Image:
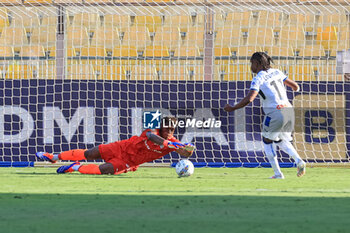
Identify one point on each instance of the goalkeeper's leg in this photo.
(73, 155)
(115, 167)
(93, 169)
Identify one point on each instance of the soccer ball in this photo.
(184, 168)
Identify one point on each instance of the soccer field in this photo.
(155, 200)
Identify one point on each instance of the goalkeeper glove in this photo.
(173, 145)
(189, 147)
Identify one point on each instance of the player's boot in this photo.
(45, 156)
(301, 168)
(281, 176)
(67, 168)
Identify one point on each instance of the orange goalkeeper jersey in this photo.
(139, 149)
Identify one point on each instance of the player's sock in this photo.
(272, 157)
(90, 169)
(288, 147)
(75, 155)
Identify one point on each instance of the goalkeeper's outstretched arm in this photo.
(183, 150)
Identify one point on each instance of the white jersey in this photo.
(271, 88)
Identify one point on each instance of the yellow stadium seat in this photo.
(278, 51)
(32, 51)
(334, 19)
(93, 52)
(19, 71)
(219, 19)
(296, 19)
(44, 35)
(106, 37)
(95, 57)
(228, 36)
(173, 72)
(46, 71)
(156, 55)
(4, 20)
(328, 73)
(269, 19)
(114, 72)
(122, 22)
(291, 36)
(311, 51)
(195, 72)
(344, 33)
(260, 36)
(15, 37)
(327, 37)
(186, 60)
(89, 20)
(222, 57)
(81, 71)
(190, 51)
(77, 36)
(239, 71)
(195, 36)
(124, 55)
(149, 21)
(143, 72)
(138, 37)
(49, 21)
(25, 17)
(240, 19)
(187, 55)
(244, 51)
(6, 51)
(183, 22)
(305, 72)
(169, 37)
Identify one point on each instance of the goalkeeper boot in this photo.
(67, 168)
(45, 156)
(301, 168)
(280, 176)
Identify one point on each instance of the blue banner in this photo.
(59, 115)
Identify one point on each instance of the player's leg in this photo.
(75, 155)
(285, 142)
(288, 147)
(271, 155)
(92, 169)
(271, 126)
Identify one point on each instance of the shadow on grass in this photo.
(86, 213)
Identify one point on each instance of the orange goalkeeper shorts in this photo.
(112, 153)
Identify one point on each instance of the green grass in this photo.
(155, 200)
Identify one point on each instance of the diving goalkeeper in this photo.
(125, 155)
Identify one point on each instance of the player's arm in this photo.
(290, 83)
(161, 141)
(187, 151)
(244, 102)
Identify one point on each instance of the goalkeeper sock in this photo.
(74, 155)
(90, 169)
(288, 147)
(271, 155)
